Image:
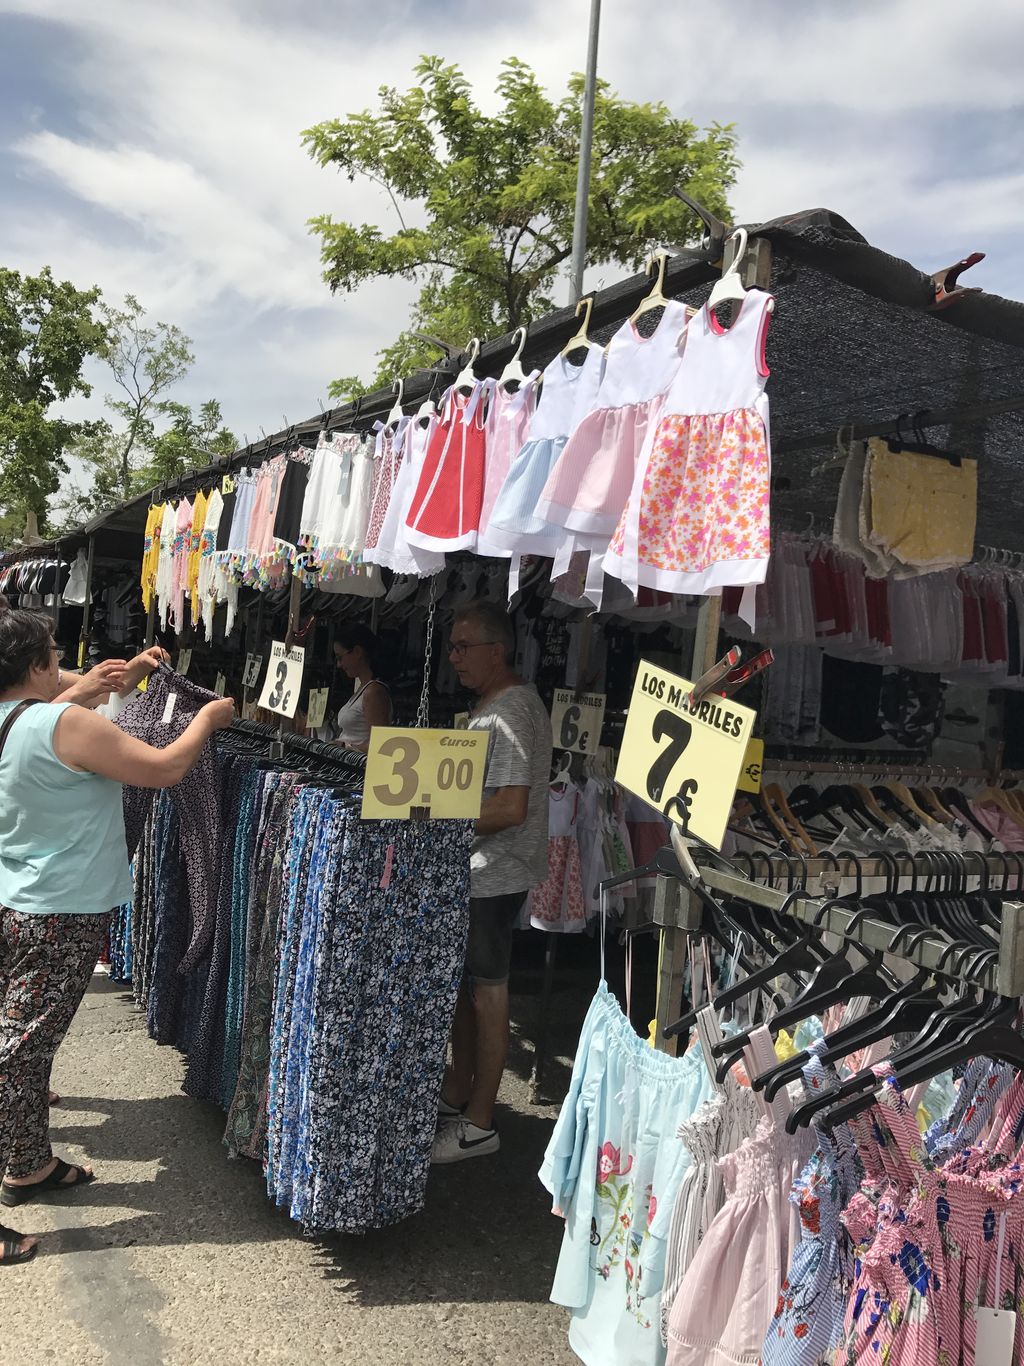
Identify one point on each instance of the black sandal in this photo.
(10, 1248)
(21, 1195)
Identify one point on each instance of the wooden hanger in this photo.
(871, 802)
(787, 836)
(781, 801)
(931, 801)
(903, 794)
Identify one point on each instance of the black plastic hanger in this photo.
(798, 957)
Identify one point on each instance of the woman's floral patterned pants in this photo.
(45, 965)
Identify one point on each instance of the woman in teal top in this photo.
(63, 867)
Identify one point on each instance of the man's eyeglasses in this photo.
(457, 648)
(58, 652)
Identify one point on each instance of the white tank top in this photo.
(351, 722)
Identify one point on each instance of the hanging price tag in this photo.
(81, 654)
(576, 720)
(253, 665)
(424, 774)
(283, 682)
(753, 767)
(461, 721)
(184, 660)
(221, 685)
(684, 760)
(316, 712)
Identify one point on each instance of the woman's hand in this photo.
(220, 714)
(92, 688)
(142, 666)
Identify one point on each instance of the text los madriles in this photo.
(710, 712)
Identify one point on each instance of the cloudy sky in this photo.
(155, 148)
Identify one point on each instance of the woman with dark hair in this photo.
(63, 867)
(355, 654)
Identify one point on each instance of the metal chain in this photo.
(423, 714)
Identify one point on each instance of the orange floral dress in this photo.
(697, 519)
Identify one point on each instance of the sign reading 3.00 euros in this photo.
(433, 774)
(685, 760)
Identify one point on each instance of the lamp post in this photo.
(579, 229)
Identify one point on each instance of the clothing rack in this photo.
(301, 744)
(883, 766)
(820, 881)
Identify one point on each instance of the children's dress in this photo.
(445, 510)
(697, 515)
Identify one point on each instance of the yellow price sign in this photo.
(432, 774)
(685, 760)
(81, 654)
(576, 720)
(753, 767)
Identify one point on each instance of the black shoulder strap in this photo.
(13, 716)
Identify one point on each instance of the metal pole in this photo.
(579, 228)
(83, 643)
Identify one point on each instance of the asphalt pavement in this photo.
(175, 1255)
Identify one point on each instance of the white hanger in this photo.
(395, 415)
(657, 260)
(581, 337)
(563, 774)
(513, 373)
(466, 379)
(426, 411)
(731, 286)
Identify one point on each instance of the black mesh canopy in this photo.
(855, 338)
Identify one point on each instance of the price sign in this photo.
(424, 773)
(253, 665)
(81, 654)
(684, 760)
(283, 682)
(753, 767)
(221, 685)
(576, 720)
(184, 660)
(316, 712)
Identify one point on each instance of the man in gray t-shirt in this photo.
(510, 855)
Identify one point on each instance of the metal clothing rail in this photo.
(885, 766)
(302, 745)
(676, 908)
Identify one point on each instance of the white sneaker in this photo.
(446, 1113)
(460, 1139)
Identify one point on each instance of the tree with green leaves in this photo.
(171, 440)
(48, 330)
(145, 360)
(484, 204)
(189, 442)
(151, 438)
